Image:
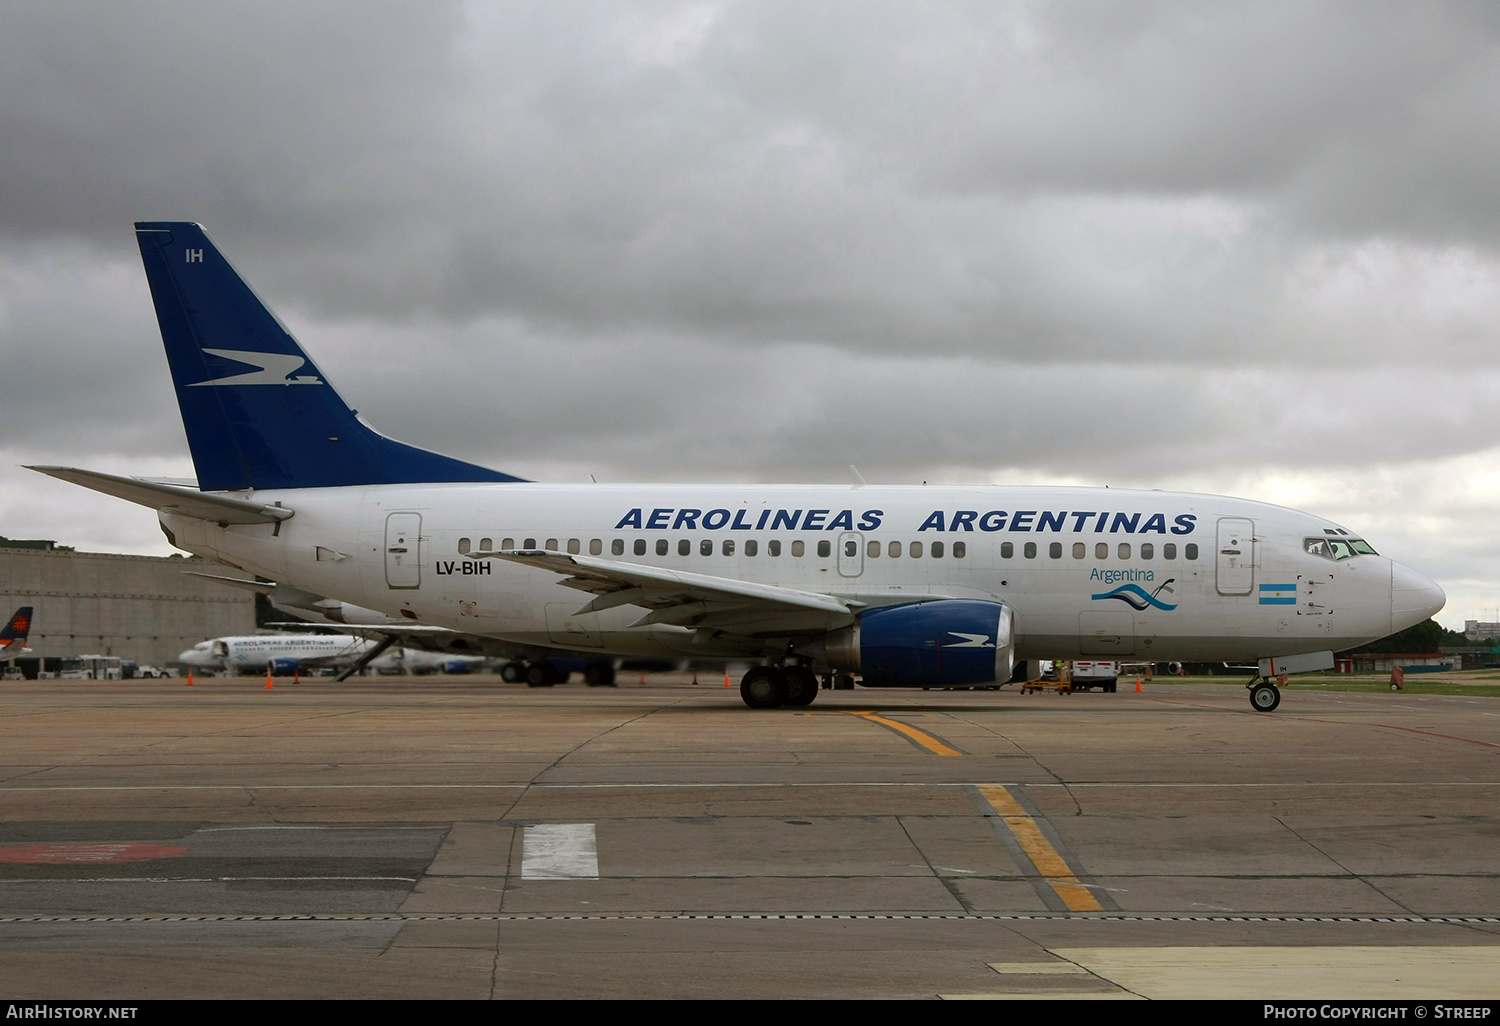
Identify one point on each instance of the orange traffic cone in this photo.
(726, 678)
(190, 678)
(268, 680)
(1138, 688)
(297, 675)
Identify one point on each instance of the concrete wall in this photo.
(136, 607)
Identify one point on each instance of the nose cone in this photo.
(1414, 598)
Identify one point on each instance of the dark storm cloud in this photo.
(869, 176)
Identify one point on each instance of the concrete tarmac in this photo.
(457, 837)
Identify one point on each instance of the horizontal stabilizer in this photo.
(189, 502)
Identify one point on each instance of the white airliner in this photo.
(283, 653)
(898, 586)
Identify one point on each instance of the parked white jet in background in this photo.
(904, 587)
(285, 653)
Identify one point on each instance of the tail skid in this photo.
(231, 361)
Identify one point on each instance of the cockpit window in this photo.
(1337, 549)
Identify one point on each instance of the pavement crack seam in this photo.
(947, 882)
(1352, 874)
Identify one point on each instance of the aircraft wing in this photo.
(221, 509)
(679, 597)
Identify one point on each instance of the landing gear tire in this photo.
(513, 673)
(599, 675)
(801, 685)
(1264, 697)
(540, 675)
(764, 687)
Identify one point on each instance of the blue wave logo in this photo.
(1137, 598)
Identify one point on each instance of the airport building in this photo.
(143, 608)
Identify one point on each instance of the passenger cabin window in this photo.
(1190, 551)
(873, 549)
(960, 550)
(1054, 551)
(729, 547)
(937, 550)
(640, 546)
(508, 543)
(1080, 550)
(914, 550)
(595, 546)
(1101, 550)
(661, 546)
(1169, 550)
(894, 549)
(1029, 551)
(463, 546)
(684, 547)
(1124, 550)
(573, 546)
(798, 548)
(706, 547)
(773, 548)
(1147, 550)
(751, 547)
(484, 545)
(851, 547)
(617, 547)
(825, 548)
(529, 544)
(1007, 550)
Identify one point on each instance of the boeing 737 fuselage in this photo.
(895, 586)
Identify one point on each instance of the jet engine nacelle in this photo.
(283, 667)
(942, 643)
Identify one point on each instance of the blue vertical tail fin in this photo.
(258, 411)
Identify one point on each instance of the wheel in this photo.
(801, 685)
(1395, 687)
(764, 687)
(540, 675)
(1111, 687)
(1264, 697)
(599, 675)
(513, 673)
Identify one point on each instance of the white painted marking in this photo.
(560, 851)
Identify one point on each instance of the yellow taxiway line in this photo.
(1052, 866)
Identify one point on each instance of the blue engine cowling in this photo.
(942, 643)
(283, 667)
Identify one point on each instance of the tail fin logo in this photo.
(270, 369)
(15, 632)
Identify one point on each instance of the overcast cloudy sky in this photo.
(1242, 248)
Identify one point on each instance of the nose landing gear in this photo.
(1264, 696)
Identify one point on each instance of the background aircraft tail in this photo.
(258, 411)
(13, 636)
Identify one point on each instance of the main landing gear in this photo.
(1264, 696)
(769, 687)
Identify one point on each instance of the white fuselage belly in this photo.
(1214, 607)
